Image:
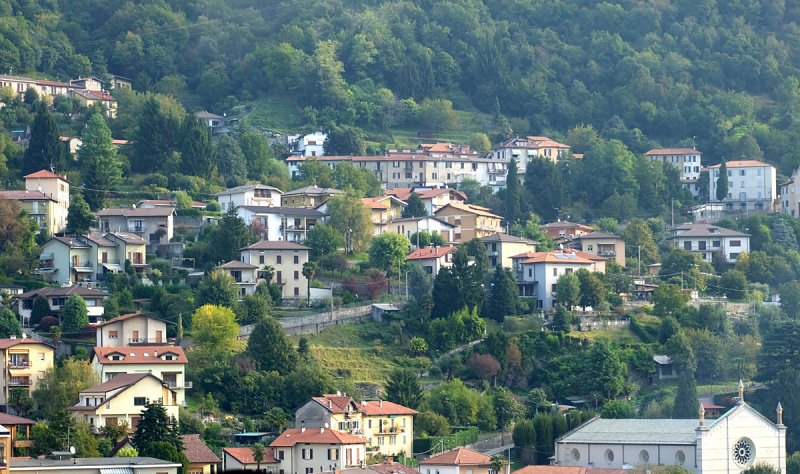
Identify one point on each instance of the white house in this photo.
(57, 297)
(686, 160)
(281, 223)
(132, 329)
(751, 185)
(737, 440)
(308, 145)
(168, 363)
(538, 272)
(244, 274)
(524, 149)
(315, 450)
(408, 226)
(706, 240)
(433, 259)
(249, 195)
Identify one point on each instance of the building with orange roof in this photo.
(317, 449)
(132, 329)
(202, 459)
(167, 363)
(432, 259)
(457, 461)
(537, 273)
(686, 160)
(242, 459)
(601, 244)
(522, 149)
(752, 186)
(383, 209)
(433, 198)
(474, 221)
(386, 427)
(500, 247)
(566, 229)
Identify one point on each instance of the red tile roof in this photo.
(24, 195)
(557, 257)
(6, 420)
(276, 245)
(196, 451)
(43, 174)
(123, 317)
(431, 252)
(458, 457)
(6, 343)
(334, 403)
(469, 208)
(673, 151)
(383, 407)
(245, 455)
(116, 382)
(293, 436)
(373, 203)
(741, 164)
(140, 355)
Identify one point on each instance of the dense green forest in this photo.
(647, 73)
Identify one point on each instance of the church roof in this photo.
(634, 431)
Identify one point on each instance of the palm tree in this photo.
(268, 272)
(309, 271)
(258, 455)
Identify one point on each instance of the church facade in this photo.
(737, 440)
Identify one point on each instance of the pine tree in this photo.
(503, 295)
(101, 169)
(154, 138)
(414, 207)
(45, 150)
(403, 387)
(197, 151)
(686, 401)
(513, 200)
(157, 435)
(722, 182)
(232, 234)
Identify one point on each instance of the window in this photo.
(308, 453)
(701, 245)
(715, 243)
(758, 172)
(261, 259)
(297, 291)
(396, 164)
(112, 334)
(296, 259)
(279, 259)
(555, 272)
(687, 245)
(309, 470)
(333, 454)
(296, 275)
(139, 401)
(494, 247)
(742, 172)
(736, 243)
(530, 272)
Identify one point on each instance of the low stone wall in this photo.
(315, 323)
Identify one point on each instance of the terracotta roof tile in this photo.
(245, 455)
(9, 342)
(196, 451)
(293, 436)
(276, 245)
(481, 211)
(140, 355)
(23, 195)
(383, 407)
(557, 257)
(43, 174)
(334, 403)
(431, 252)
(673, 151)
(741, 164)
(458, 457)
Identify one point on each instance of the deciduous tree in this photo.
(269, 347)
(217, 288)
(75, 316)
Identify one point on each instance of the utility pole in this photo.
(640, 260)
(672, 211)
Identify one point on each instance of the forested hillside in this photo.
(649, 73)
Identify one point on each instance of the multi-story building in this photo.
(286, 259)
(566, 229)
(751, 186)
(89, 98)
(501, 247)
(387, 427)
(312, 144)
(382, 211)
(537, 273)
(706, 240)
(686, 160)
(54, 216)
(433, 199)
(88, 258)
(57, 297)
(524, 149)
(789, 194)
(475, 221)
(245, 275)
(155, 225)
(20, 430)
(167, 363)
(133, 329)
(25, 361)
(37, 205)
(432, 259)
(315, 450)
(121, 399)
(310, 197)
(258, 195)
(281, 223)
(601, 244)
(408, 226)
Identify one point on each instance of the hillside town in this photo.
(195, 286)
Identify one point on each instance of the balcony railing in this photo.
(145, 340)
(20, 364)
(174, 384)
(606, 253)
(137, 228)
(13, 382)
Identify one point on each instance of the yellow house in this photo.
(20, 429)
(202, 459)
(25, 361)
(53, 186)
(131, 330)
(309, 196)
(37, 205)
(121, 400)
(88, 98)
(168, 363)
(383, 210)
(475, 221)
(387, 427)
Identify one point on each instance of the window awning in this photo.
(114, 267)
(46, 256)
(83, 269)
(48, 270)
(116, 470)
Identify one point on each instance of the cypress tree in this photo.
(415, 207)
(197, 151)
(513, 206)
(45, 150)
(722, 182)
(101, 169)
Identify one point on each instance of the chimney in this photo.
(330, 404)
(321, 429)
(389, 460)
(380, 403)
(13, 336)
(303, 429)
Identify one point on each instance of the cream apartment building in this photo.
(121, 399)
(686, 160)
(603, 245)
(25, 362)
(522, 149)
(88, 258)
(249, 195)
(501, 247)
(474, 221)
(167, 363)
(286, 258)
(751, 185)
(45, 199)
(131, 330)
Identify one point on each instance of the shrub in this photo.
(48, 322)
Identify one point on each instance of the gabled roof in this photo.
(596, 235)
(276, 245)
(71, 242)
(99, 239)
(383, 407)
(458, 457)
(238, 265)
(566, 224)
(136, 212)
(125, 317)
(128, 237)
(208, 115)
(705, 230)
(468, 208)
(741, 164)
(313, 191)
(24, 195)
(417, 219)
(196, 451)
(7, 420)
(95, 95)
(139, 355)
(431, 252)
(247, 187)
(117, 382)
(63, 291)
(673, 151)
(43, 174)
(293, 436)
(374, 203)
(557, 257)
(245, 455)
(534, 142)
(335, 403)
(634, 431)
(501, 237)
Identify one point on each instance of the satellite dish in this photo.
(72, 450)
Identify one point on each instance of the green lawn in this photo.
(277, 114)
(515, 324)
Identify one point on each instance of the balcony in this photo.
(389, 430)
(497, 171)
(606, 253)
(19, 382)
(137, 228)
(175, 385)
(19, 364)
(145, 340)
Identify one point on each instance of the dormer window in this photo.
(169, 357)
(116, 356)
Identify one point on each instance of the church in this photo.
(739, 439)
